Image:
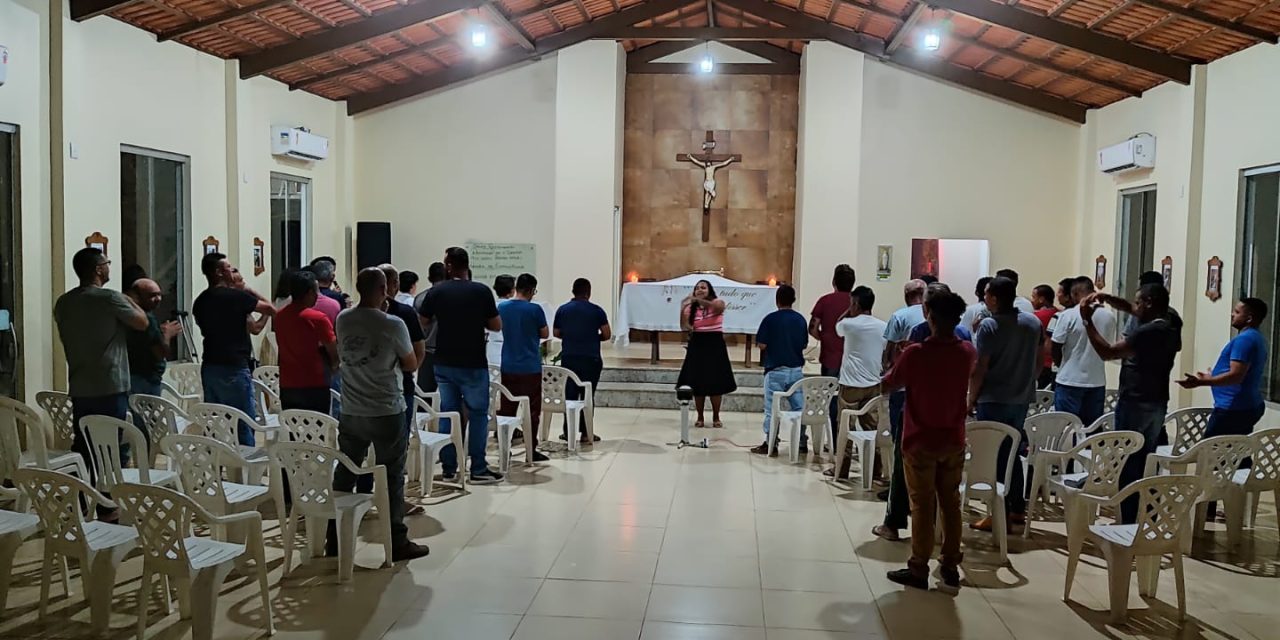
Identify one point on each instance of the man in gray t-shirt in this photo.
(374, 350)
(1003, 382)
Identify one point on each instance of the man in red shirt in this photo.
(933, 439)
(827, 313)
(308, 348)
(1042, 299)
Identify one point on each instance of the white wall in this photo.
(472, 163)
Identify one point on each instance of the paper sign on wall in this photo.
(492, 259)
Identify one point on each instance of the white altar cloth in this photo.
(655, 306)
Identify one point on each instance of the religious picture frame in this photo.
(97, 241)
(210, 245)
(1100, 272)
(1166, 271)
(259, 256)
(1213, 288)
(884, 262)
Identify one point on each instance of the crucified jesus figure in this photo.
(709, 180)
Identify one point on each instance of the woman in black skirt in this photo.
(706, 367)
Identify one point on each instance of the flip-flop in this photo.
(699, 425)
(717, 425)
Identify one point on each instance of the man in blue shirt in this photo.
(921, 332)
(1236, 379)
(897, 335)
(524, 327)
(782, 337)
(581, 325)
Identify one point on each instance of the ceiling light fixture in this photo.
(707, 64)
(932, 40)
(479, 37)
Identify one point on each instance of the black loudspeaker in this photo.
(373, 244)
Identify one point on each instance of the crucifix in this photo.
(708, 161)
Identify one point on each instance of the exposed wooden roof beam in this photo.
(1253, 12)
(582, 9)
(982, 83)
(347, 35)
(1150, 60)
(770, 52)
(512, 56)
(381, 58)
(905, 28)
(649, 53)
(315, 17)
(711, 13)
(494, 14)
(85, 9)
(709, 33)
(1046, 62)
(220, 18)
(1061, 8)
(1155, 24)
(723, 68)
(819, 29)
(356, 7)
(1261, 35)
(1110, 14)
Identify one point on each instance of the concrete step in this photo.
(649, 395)
(666, 376)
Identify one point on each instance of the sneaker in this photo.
(411, 509)
(583, 439)
(909, 578)
(409, 551)
(804, 446)
(539, 456)
(488, 476)
(449, 476)
(564, 436)
(763, 449)
(882, 495)
(950, 580)
(517, 436)
(886, 533)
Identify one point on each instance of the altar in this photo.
(655, 307)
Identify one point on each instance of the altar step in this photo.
(655, 388)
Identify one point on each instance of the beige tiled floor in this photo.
(639, 540)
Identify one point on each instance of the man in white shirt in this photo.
(862, 364)
(1082, 376)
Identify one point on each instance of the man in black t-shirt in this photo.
(223, 314)
(416, 337)
(462, 310)
(1146, 354)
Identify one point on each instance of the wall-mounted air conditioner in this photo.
(1138, 152)
(295, 142)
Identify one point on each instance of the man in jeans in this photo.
(1146, 356)
(826, 313)
(897, 333)
(427, 369)
(933, 439)
(524, 327)
(374, 349)
(1081, 387)
(462, 311)
(860, 368)
(223, 313)
(782, 338)
(581, 325)
(94, 324)
(1003, 382)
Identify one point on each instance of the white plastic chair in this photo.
(1042, 403)
(1247, 485)
(20, 423)
(1163, 506)
(310, 468)
(220, 422)
(309, 427)
(99, 547)
(57, 407)
(104, 434)
(161, 418)
(1189, 427)
(505, 426)
(198, 565)
(555, 400)
(426, 441)
(1052, 431)
(1105, 422)
(868, 441)
(200, 462)
(183, 381)
(1217, 460)
(1102, 457)
(1110, 399)
(816, 393)
(269, 375)
(266, 404)
(14, 529)
(982, 477)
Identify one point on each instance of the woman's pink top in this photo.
(706, 320)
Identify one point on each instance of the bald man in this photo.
(149, 348)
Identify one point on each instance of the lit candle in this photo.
(773, 282)
(634, 277)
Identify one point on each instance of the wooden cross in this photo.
(709, 162)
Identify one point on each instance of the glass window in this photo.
(153, 227)
(1137, 238)
(1259, 242)
(10, 312)
(290, 223)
